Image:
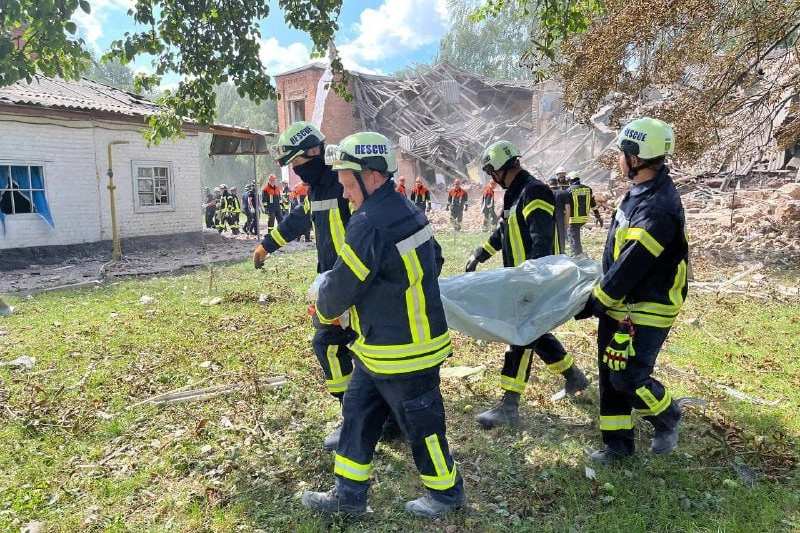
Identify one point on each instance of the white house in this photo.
(56, 139)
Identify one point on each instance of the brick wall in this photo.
(74, 156)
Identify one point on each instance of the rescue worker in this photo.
(487, 206)
(250, 208)
(640, 293)
(401, 186)
(285, 194)
(210, 207)
(579, 202)
(560, 211)
(229, 210)
(421, 196)
(386, 276)
(301, 145)
(457, 204)
(561, 177)
(527, 230)
(299, 195)
(218, 208)
(271, 197)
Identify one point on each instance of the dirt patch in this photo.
(95, 270)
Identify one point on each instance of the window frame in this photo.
(298, 104)
(42, 165)
(138, 207)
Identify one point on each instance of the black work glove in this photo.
(598, 220)
(472, 263)
(447, 207)
(592, 308)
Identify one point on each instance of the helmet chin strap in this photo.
(633, 171)
(502, 181)
(361, 184)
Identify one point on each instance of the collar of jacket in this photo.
(519, 182)
(649, 185)
(378, 194)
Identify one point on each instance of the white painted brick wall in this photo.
(75, 158)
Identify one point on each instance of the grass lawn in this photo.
(80, 452)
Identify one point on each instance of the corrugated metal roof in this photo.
(78, 95)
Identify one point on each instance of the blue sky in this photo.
(375, 36)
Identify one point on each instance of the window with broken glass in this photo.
(152, 186)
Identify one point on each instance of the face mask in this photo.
(311, 171)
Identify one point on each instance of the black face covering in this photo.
(311, 171)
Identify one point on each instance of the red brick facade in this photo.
(339, 118)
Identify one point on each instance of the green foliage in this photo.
(45, 32)
(112, 73)
(207, 43)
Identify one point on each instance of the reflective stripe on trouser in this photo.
(518, 360)
(330, 345)
(633, 388)
(417, 404)
(574, 234)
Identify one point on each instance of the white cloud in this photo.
(396, 28)
(278, 59)
(91, 27)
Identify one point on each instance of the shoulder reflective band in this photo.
(420, 237)
(324, 205)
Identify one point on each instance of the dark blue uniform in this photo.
(329, 212)
(527, 230)
(386, 277)
(644, 276)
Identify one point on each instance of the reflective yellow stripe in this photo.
(560, 366)
(616, 423)
(397, 359)
(306, 205)
(337, 229)
(350, 258)
(604, 298)
(676, 291)
(338, 381)
(444, 478)
(515, 240)
(648, 241)
(642, 319)
(537, 204)
(350, 469)
(517, 383)
(415, 299)
(489, 248)
(277, 237)
(655, 407)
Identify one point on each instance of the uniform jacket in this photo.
(386, 275)
(646, 255)
(581, 201)
(402, 190)
(457, 198)
(487, 203)
(271, 198)
(527, 229)
(330, 213)
(230, 204)
(421, 196)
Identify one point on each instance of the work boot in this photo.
(607, 456)
(332, 441)
(665, 438)
(329, 503)
(575, 380)
(427, 507)
(507, 413)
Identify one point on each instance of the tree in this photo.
(726, 71)
(112, 73)
(206, 42)
(490, 46)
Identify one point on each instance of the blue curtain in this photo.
(25, 182)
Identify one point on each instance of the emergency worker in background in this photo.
(302, 146)
(210, 207)
(271, 201)
(487, 206)
(457, 203)
(401, 186)
(286, 193)
(579, 202)
(386, 276)
(561, 177)
(421, 196)
(638, 298)
(250, 208)
(298, 196)
(527, 230)
(229, 210)
(559, 195)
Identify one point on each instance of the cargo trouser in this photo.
(416, 401)
(331, 346)
(518, 361)
(633, 388)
